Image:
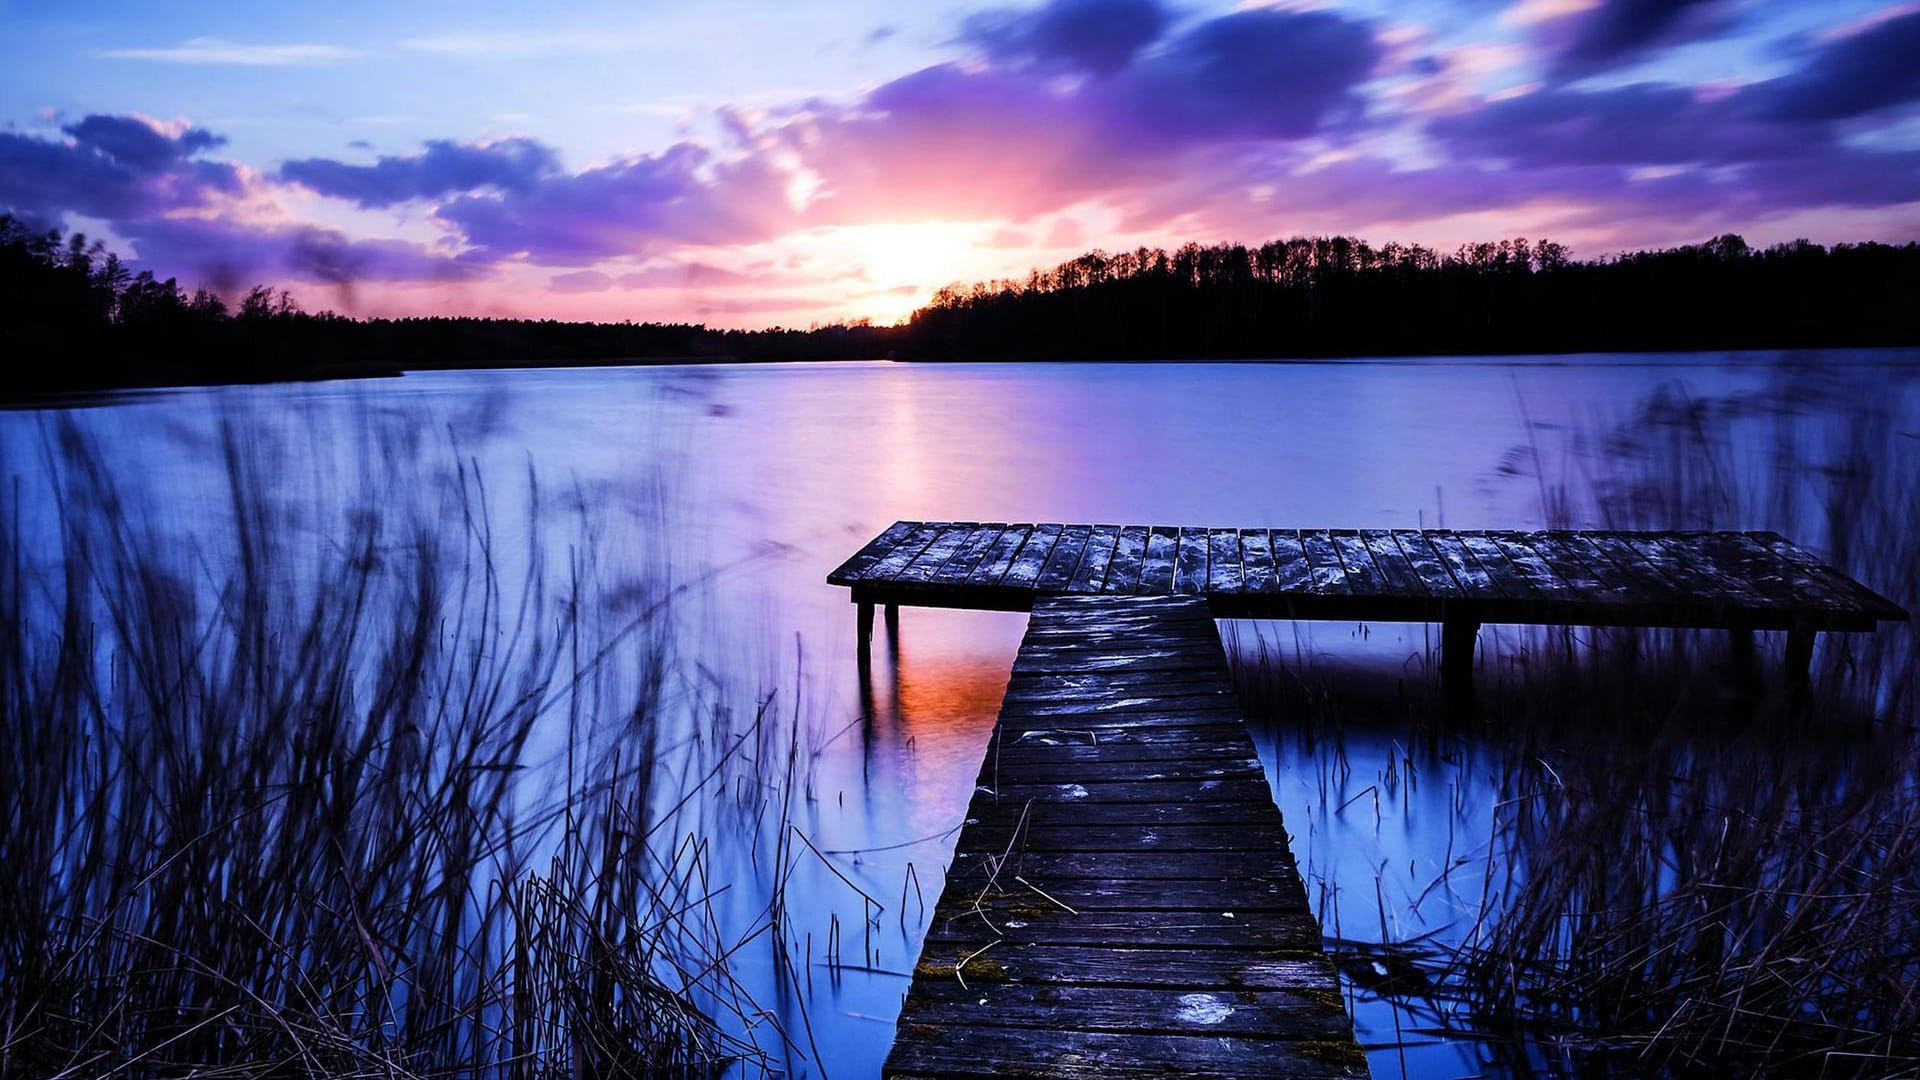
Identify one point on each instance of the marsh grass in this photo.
(370, 792)
(1682, 874)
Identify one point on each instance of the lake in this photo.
(746, 484)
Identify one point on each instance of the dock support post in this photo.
(893, 624)
(1456, 657)
(1799, 658)
(864, 632)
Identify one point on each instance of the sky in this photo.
(747, 163)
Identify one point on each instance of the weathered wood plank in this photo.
(1498, 567)
(1266, 1014)
(1625, 576)
(1528, 564)
(1866, 599)
(1727, 587)
(999, 558)
(1026, 566)
(1123, 573)
(905, 552)
(1569, 567)
(1122, 838)
(965, 561)
(1190, 562)
(1065, 559)
(1291, 570)
(1466, 570)
(1091, 577)
(876, 549)
(1773, 575)
(1401, 578)
(1156, 575)
(1329, 574)
(944, 547)
(1433, 573)
(1364, 576)
(1256, 561)
(1088, 1055)
(1224, 572)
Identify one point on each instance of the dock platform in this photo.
(1739, 581)
(1122, 901)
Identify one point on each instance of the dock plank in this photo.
(965, 561)
(999, 558)
(1061, 565)
(1190, 562)
(1256, 562)
(1156, 574)
(1026, 566)
(1091, 577)
(1433, 572)
(1292, 573)
(1364, 575)
(874, 550)
(1329, 574)
(944, 547)
(1224, 572)
(1129, 552)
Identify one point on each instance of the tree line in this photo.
(1340, 296)
(76, 317)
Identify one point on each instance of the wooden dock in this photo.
(1122, 901)
(1741, 581)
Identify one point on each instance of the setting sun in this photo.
(902, 266)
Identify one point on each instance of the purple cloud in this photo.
(1619, 31)
(233, 254)
(444, 168)
(138, 145)
(1860, 73)
(114, 167)
(681, 195)
(1252, 74)
(967, 141)
(580, 281)
(1641, 124)
(691, 275)
(1074, 35)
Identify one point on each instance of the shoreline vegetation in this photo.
(80, 319)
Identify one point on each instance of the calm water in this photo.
(770, 475)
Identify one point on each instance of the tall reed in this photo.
(361, 792)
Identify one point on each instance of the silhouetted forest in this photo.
(1339, 296)
(77, 317)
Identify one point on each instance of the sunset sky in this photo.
(749, 164)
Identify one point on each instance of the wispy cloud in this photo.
(207, 50)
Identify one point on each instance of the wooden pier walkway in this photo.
(1122, 901)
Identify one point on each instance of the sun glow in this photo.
(901, 266)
